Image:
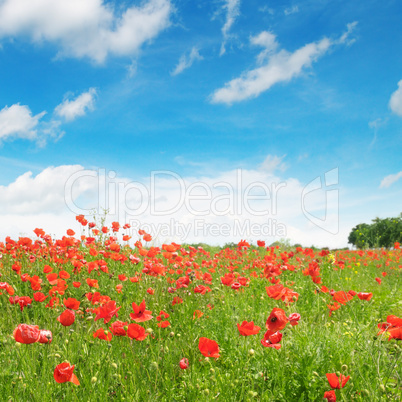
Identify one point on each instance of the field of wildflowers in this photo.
(88, 317)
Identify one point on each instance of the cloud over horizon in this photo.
(226, 206)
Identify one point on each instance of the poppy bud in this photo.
(183, 363)
(251, 352)
(93, 380)
(344, 368)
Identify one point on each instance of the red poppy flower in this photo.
(150, 291)
(118, 329)
(378, 280)
(248, 328)
(395, 333)
(64, 275)
(76, 284)
(52, 278)
(272, 340)
(39, 297)
(23, 301)
(197, 314)
(335, 382)
(333, 307)
(183, 363)
(177, 300)
(39, 232)
(71, 303)
(47, 269)
(147, 237)
(7, 287)
(101, 334)
(365, 296)
(294, 319)
(280, 292)
(140, 313)
(208, 348)
(342, 297)
(330, 396)
(162, 315)
(107, 311)
(26, 334)
(235, 285)
(93, 283)
(260, 243)
(45, 336)
(276, 321)
(66, 318)
(202, 289)
(64, 373)
(135, 331)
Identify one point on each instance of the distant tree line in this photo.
(380, 233)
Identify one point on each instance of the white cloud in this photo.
(232, 8)
(267, 40)
(43, 193)
(71, 109)
(345, 38)
(281, 66)
(17, 121)
(272, 163)
(223, 207)
(186, 61)
(390, 179)
(85, 28)
(395, 103)
(291, 10)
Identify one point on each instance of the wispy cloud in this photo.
(71, 109)
(387, 181)
(395, 103)
(291, 10)
(85, 28)
(273, 163)
(186, 61)
(232, 8)
(280, 66)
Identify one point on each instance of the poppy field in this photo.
(104, 314)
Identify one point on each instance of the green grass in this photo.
(125, 369)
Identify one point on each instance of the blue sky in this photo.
(201, 89)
